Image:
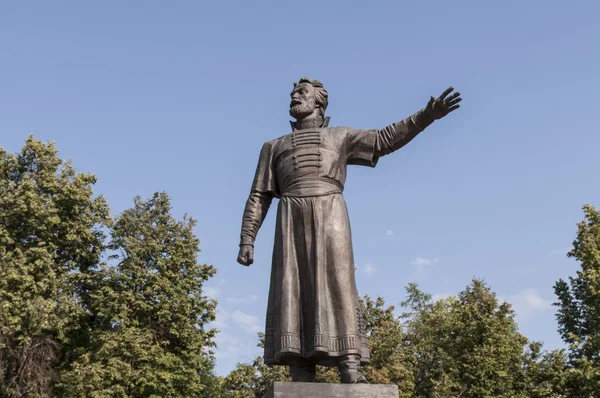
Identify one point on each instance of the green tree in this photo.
(391, 360)
(50, 231)
(579, 308)
(148, 316)
(252, 380)
(543, 373)
(466, 345)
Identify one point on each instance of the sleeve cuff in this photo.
(421, 120)
(246, 240)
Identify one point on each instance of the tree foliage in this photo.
(49, 231)
(469, 346)
(579, 308)
(391, 362)
(73, 326)
(148, 315)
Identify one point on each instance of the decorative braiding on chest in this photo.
(310, 140)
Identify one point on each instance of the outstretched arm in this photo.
(395, 136)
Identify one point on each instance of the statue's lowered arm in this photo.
(257, 205)
(264, 189)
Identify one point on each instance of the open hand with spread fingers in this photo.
(443, 105)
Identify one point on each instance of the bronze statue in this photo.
(313, 314)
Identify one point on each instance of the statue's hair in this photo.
(321, 96)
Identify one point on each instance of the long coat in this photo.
(313, 308)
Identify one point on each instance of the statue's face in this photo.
(303, 102)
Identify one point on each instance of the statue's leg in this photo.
(302, 370)
(349, 367)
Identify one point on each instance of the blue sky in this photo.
(179, 97)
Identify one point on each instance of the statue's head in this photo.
(307, 96)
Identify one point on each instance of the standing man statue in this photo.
(313, 314)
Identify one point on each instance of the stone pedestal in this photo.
(325, 390)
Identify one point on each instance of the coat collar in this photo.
(309, 125)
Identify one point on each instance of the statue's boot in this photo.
(303, 371)
(349, 367)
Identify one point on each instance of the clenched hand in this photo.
(246, 255)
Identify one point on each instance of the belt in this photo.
(312, 187)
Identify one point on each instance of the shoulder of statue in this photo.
(271, 143)
(339, 129)
(267, 147)
(281, 137)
